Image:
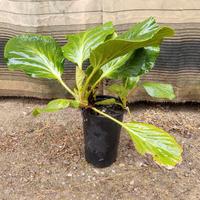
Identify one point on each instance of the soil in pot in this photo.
(101, 135)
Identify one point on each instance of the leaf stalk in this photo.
(108, 116)
(66, 87)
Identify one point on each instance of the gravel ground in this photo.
(43, 158)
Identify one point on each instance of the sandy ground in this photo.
(43, 158)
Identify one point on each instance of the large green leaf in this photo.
(135, 38)
(107, 69)
(118, 89)
(112, 67)
(36, 55)
(149, 139)
(97, 75)
(56, 105)
(138, 62)
(79, 45)
(141, 30)
(130, 82)
(121, 91)
(159, 90)
(141, 62)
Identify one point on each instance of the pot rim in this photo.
(121, 112)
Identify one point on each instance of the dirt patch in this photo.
(43, 158)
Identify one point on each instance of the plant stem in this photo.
(108, 116)
(88, 80)
(96, 83)
(85, 87)
(66, 87)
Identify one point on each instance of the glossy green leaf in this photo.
(108, 69)
(96, 77)
(134, 39)
(131, 82)
(89, 70)
(149, 139)
(118, 89)
(111, 36)
(141, 62)
(137, 62)
(80, 76)
(159, 90)
(36, 55)
(74, 104)
(56, 105)
(141, 30)
(122, 90)
(112, 67)
(106, 102)
(79, 45)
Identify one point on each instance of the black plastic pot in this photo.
(101, 136)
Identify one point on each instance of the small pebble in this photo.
(69, 174)
(141, 164)
(122, 165)
(132, 182)
(13, 133)
(24, 113)
(65, 162)
(186, 175)
(96, 171)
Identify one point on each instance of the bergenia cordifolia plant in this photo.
(125, 57)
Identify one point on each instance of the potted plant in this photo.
(125, 57)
